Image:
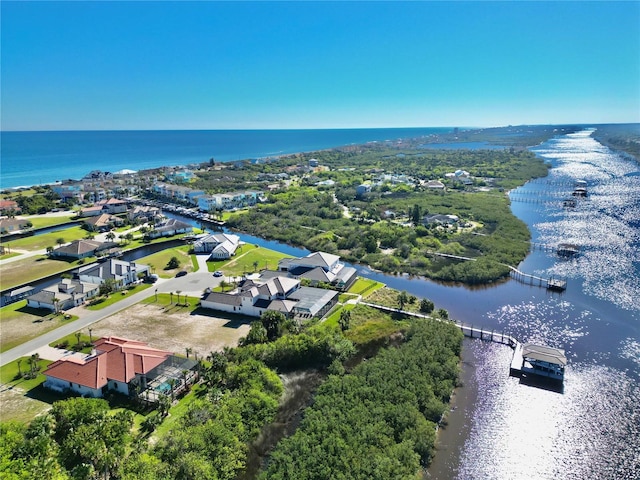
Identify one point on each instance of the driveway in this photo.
(192, 284)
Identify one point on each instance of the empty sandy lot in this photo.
(175, 328)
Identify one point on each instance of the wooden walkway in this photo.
(467, 330)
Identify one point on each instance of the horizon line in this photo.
(309, 128)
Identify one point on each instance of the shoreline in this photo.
(456, 426)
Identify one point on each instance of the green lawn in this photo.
(41, 242)
(9, 255)
(41, 221)
(71, 340)
(32, 268)
(22, 400)
(365, 287)
(158, 261)
(19, 324)
(245, 260)
(116, 297)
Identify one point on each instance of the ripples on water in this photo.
(592, 429)
(524, 432)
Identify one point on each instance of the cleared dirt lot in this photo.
(175, 328)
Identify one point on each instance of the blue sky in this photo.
(215, 65)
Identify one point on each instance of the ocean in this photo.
(35, 158)
(504, 429)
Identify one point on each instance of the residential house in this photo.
(169, 227)
(9, 207)
(117, 365)
(208, 243)
(435, 184)
(70, 191)
(63, 295)
(13, 225)
(144, 214)
(253, 297)
(112, 205)
(121, 272)
(320, 267)
(81, 249)
(440, 219)
(103, 222)
(18, 294)
(362, 189)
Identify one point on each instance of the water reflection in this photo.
(523, 432)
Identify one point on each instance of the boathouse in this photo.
(543, 361)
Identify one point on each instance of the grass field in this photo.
(29, 269)
(117, 296)
(41, 242)
(369, 324)
(248, 259)
(22, 399)
(41, 221)
(365, 287)
(20, 324)
(158, 261)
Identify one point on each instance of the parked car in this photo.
(217, 273)
(181, 273)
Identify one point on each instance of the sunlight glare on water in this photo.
(591, 429)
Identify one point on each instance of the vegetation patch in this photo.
(20, 323)
(114, 297)
(378, 422)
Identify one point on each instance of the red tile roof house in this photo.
(116, 364)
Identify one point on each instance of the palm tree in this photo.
(403, 298)
(56, 304)
(19, 369)
(178, 293)
(78, 334)
(60, 241)
(188, 350)
(110, 236)
(172, 383)
(255, 265)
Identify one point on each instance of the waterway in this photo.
(504, 429)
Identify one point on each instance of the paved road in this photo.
(192, 284)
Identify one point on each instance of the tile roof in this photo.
(117, 359)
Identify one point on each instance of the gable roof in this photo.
(117, 359)
(319, 259)
(79, 247)
(102, 220)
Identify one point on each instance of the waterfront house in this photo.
(169, 227)
(116, 365)
(320, 267)
(13, 225)
(16, 295)
(121, 272)
(103, 222)
(81, 249)
(144, 214)
(276, 292)
(112, 206)
(65, 294)
(207, 243)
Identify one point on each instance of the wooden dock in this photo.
(553, 284)
(471, 331)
